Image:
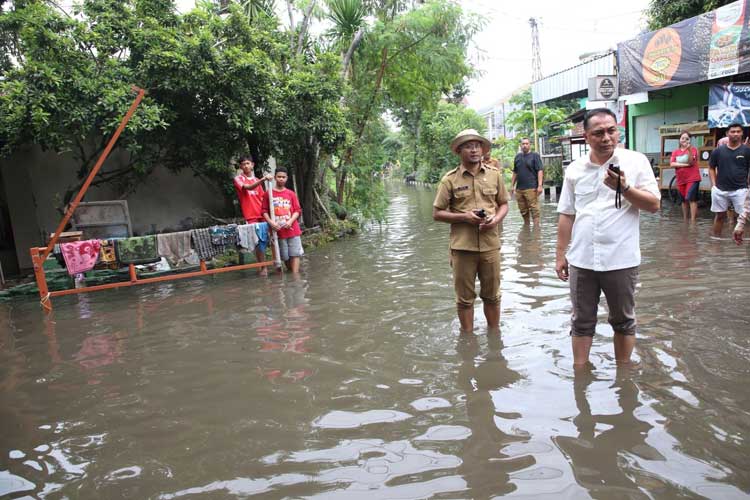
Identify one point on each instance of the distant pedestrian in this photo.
(598, 247)
(472, 198)
(286, 211)
(250, 194)
(527, 181)
(729, 166)
(685, 161)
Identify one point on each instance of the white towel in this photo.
(175, 247)
(248, 238)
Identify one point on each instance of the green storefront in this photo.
(685, 104)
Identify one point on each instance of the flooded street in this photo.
(351, 382)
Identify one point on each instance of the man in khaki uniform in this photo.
(472, 198)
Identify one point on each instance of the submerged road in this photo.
(351, 381)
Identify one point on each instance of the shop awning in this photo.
(573, 80)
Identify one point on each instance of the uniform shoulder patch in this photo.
(449, 173)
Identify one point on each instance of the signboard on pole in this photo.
(603, 88)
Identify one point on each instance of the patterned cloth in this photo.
(138, 250)
(202, 244)
(223, 237)
(261, 230)
(107, 255)
(80, 256)
(175, 247)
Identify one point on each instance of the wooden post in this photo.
(74, 204)
(41, 279)
(274, 236)
(133, 275)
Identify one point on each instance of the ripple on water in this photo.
(411, 381)
(445, 433)
(425, 404)
(339, 419)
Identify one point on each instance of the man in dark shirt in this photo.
(729, 166)
(528, 174)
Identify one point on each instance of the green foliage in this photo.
(346, 17)
(661, 13)
(437, 131)
(410, 59)
(218, 86)
(553, 171)
(549, 118)
(256, 8)
(222, 85)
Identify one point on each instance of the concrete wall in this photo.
(35, 182)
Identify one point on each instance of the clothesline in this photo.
(184, 247)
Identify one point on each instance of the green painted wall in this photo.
(687, 96)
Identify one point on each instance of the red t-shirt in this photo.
(251, 200)
(285, 204)
(686, 175)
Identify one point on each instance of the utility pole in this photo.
(536, 71)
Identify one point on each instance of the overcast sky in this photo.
(566, 30)
(502, 51)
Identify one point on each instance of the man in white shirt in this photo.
(604, 252)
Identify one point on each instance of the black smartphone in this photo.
(614, 168)
(481, 213)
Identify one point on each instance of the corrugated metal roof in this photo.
(573, 79)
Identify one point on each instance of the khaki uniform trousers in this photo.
(467, 265)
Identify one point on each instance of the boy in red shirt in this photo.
(286, 210)
(250, 193)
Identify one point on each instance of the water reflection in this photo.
(485, 467)
(607, 442)
(348, 381)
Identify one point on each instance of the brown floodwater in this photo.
(351, 381)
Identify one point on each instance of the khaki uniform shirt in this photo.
(460, 192)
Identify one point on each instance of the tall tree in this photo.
(411, 57)
(437, 130)
(661, 13)
(218, 86)
(549, 121)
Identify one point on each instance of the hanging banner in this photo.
(622, 122)
(712, 45)
(728, 104)
(724, 49)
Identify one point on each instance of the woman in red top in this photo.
(685, 161)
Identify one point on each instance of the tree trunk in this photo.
(341, 185)
(306, 179)
(356, 40)
(340, 182)
(417, 133)
(304, 27)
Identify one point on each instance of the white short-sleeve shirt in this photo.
(604, 238)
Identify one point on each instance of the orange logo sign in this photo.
(662, 57)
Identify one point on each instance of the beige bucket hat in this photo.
(469, 135)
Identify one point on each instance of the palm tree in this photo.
(255, 8)
(349, 24)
